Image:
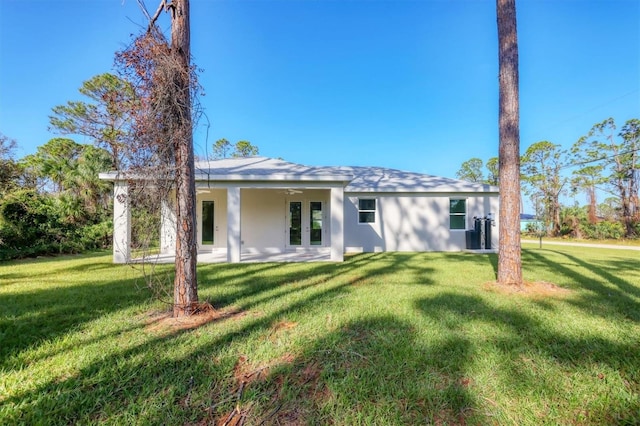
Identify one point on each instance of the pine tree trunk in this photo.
(185, 284)
(592, 213)
(509, 257)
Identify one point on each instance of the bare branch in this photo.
(162, 5)
(156, 15)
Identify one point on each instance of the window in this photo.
(366, 210)
(457, 214)
(207, 223)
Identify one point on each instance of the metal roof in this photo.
(355, 179)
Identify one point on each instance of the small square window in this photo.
(366, 210)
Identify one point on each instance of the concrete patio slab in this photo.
(220, 256)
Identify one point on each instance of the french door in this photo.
(208, 226)
(305, 224)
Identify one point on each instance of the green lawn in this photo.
(379, 339)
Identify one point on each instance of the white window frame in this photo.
(374, 210)
(464, 215)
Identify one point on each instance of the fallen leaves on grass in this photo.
(203, 314)
(529, 288)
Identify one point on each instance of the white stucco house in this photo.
(269, 206)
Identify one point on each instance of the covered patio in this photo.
(249, 210)
(220, 256)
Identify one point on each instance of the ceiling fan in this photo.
(290, 191)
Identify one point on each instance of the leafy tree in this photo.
(509, 256)
(88, 187)
(54, 163)
(541, 165)
(588, 177)
(573, 220)
(244, 149)
(609, 209)
(615, 155)
(493, 177)
(471, 171)
(69, 171)
(221, 149)
(8, 168)
(105, 118)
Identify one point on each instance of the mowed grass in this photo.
(380, 339)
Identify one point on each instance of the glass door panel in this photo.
(207, 223)
(295, 223)
(315, 222)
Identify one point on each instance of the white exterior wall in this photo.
(263, 217)
(234, 244)
(263, 220)
(412, 222)
(121, 223)
(336, 229)
(168, 226)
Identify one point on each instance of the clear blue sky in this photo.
(404, 84)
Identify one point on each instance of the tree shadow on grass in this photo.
(370, 371)
(139, 384)
(245, 286)
(177, 377)
(607, 293)
(523, 344)
(30, 318)
(53, 265)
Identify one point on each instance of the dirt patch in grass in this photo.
(246, 374)
(529, 289)
(271, 379)
(204, 313)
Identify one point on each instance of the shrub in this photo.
(97, 236)
(34, 224)
(605, 230)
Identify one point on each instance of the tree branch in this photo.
(152, 19)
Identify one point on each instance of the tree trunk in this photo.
(185, 285)
(592, 214)
(509, 256)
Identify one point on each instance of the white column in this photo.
(168, 226)
(234, 242)
(121, 223)
(337, 224)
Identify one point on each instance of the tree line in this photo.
(53, 201)
(606, 160)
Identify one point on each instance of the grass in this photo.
(634, 242)
(379, 339)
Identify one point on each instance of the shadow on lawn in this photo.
(136, 383)
(30, 318)
(53, 263)
(607, 293)
(376, 367)
(370, 371)
(525, 339)
(244, 282)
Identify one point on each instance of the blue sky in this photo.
(404, 84)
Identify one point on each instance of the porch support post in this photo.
(168, 226)
(337, 224)
(234, 242)
(121, 223)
